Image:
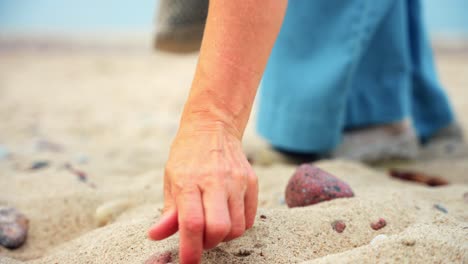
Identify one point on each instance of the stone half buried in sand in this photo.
(310, 185)
(13, 227)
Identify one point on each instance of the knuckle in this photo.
(194, 225)
(223, 171)
(252, 178)
(237, 232)
(220, 229)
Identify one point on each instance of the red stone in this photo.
(339, 226)
(310, 185)
(160, 258)
(378, 224)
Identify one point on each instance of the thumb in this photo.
(166, 226)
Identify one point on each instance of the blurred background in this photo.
(445, 19)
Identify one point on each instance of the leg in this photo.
(395, 80)
(381, 88)
(431, 110)
(303, 95)
(379, 98)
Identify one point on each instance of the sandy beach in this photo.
(100, 117)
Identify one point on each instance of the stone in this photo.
(339, 226)
(37, 165)
(13, 228)
(418, 177)
(310, 185)
(408, 242)
(47, 145)
(379, 224)
(160, 258)
(441, 208)
(107, 212)
(4, 152)
(378, 239)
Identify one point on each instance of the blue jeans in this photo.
(345, 64)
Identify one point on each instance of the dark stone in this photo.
(37, 165)
(13, 228)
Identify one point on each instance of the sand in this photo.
(111, 111)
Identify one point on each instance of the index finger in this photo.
(191, 225)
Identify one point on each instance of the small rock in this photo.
(82, 159)
(408, 242)
(4, 153)
(378, 224)
(263, 217)
(243, 253)
(13, 227)
(418, 177)
(441, 208)
(339, 226)
(37, 165)
(310, 185)
(160, 258)
(107, 212)
(81, 175)
(282, 201)
(377, 239)
(47, 145)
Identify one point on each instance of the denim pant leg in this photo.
(303, 91)
(396, 77)
(431, 109)
(381, 88)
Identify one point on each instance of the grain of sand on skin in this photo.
(120, 110)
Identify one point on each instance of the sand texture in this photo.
(110, 113)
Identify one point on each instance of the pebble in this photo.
(263, 217)
(160, 258)
(107, 212)
(13, 227)
(418, 177)
(408, 242)
(379, 224)
(4, 153)
(339, 226)
(441, 208)
(81, 159)
(81, 175)
(37, 165)
(310, 185)
(377, 239)
(47, 145)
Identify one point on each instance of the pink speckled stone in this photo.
(310, 185)
(160, 258)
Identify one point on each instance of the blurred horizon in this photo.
(443, 18)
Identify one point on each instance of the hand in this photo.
(210, 191)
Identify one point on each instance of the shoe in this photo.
(396, 141)
(180, 25)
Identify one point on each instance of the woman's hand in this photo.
(210, 190)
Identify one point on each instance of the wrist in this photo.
(206, 119)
